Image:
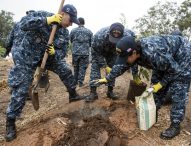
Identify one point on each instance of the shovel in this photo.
(34, 93)
(44, 80)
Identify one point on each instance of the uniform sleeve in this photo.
(33, 21)
(116, 71)
(10, 38)
(96, 52)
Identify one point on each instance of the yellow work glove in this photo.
(50, 49)
(137, 80)
(99, 82)
(54, 19)
(104, 71)
(102, 81)
(156, 87)
(108, 70)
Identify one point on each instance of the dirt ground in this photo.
(101, 123)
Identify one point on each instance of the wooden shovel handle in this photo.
(51, 38)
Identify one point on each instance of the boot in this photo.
(110, 93)
(171, 132)
(10, 130)
(73, 96)
(93, 95)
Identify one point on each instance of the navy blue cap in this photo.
(124, 48)
(81, 20)
(116, 27)
(29, 12)
(71, 10)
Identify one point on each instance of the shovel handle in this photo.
(51, 38)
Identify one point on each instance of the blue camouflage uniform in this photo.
(29, 53)
(169, 58)
(80, 38)
(103, 53)
(14, 37)
(64, 51)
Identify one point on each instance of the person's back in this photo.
(81, 38)
(170, 46)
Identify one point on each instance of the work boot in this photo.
(93, 95)
(10, 130)
(110, 93)
(171, 132)
(73, 96)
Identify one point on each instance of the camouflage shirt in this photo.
(37, 33)
(81, 38)
(102, 48)
(169, 54)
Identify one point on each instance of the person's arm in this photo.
(96, 52)
(10, 38)
(116, 71)
(34, 21)
(9, 41)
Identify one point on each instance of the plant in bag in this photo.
(135, 89)
(144, 73)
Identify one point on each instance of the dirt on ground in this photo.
(102, 123)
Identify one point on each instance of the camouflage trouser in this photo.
(21, 76)
(95, 74)
(80, 64)
(177, 91)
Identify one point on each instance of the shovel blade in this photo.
(35, 100)
(44, 80)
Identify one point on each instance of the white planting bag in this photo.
(146, 110)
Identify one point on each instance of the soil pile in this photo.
(96, 130)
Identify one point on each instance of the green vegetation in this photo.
(2, 51)
(6, 24)
(163, 18)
